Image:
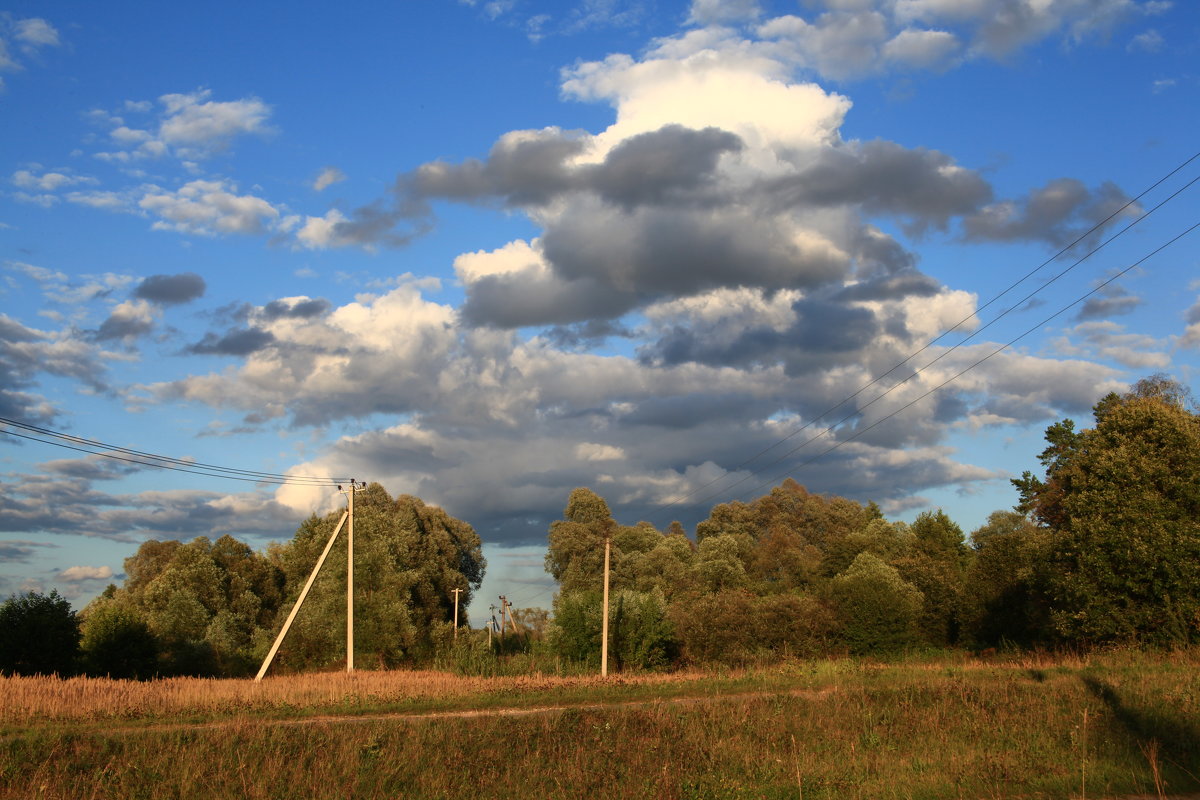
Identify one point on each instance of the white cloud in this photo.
(209, 208)
(76, 574)
(1105, 340)
(190, 127)
(48, 181)
(592, 451)
(35, 32)
(328, 177)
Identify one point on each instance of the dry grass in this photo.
(26, 699)
(1115, 725)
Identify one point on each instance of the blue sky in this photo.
(485, 252)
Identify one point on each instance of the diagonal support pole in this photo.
(299, 600)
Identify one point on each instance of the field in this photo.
(1112, 725)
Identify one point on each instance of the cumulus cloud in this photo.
(208, 208)
(27, 353)
(1108, 341)
(128, 321)
(1060, 213)
(188, 126)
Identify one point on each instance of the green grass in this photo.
(1111, 726)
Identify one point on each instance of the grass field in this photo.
(1112, 725)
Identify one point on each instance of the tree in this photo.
(575, 557)
(39, 635)
(879, 608)
(1004, 593)
(1122, 502)
(208, 605)
(117, 643)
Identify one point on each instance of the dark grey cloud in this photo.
(239, 342)
(1059, 213)
(171, 289)
(1111, 301)
(527, 297)
(91, 468)
(523, 169)
(26, 353)
(296, 309)
(919, 185)
(674, 252)
(59, 505)
(823, 334)
(673, 165)
(669, 165)
(586, 335)
(123, 327)
(18, 551)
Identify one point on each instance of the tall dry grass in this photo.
(25, 699)
(1113, 725)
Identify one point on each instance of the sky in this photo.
(486, 252)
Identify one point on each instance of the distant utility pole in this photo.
(604, 618)
(512, 620)
(456, 592)
(503, 608)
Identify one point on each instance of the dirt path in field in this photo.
(465, 713)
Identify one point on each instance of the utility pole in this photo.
(300, 600)
(503, 608)
(456, 592)
(604, 618)
(350, 576)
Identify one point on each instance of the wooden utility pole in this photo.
(604, 618)
(300, 600)
(350, 582)
(503, 608)
(456, 592)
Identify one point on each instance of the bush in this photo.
(117, 643)
(39, 635)
(880, 610)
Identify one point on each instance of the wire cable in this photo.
(146, 459)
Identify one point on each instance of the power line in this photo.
(146, 459)
(680, 500)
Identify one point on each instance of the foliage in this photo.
(879, 609)
(208, 605)
(1004, 591)
(117, 643)
(737, 627)
(39, 635)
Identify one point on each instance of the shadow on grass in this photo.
(1175, 737)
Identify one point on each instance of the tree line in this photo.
(214, 608)
(1102, 548)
